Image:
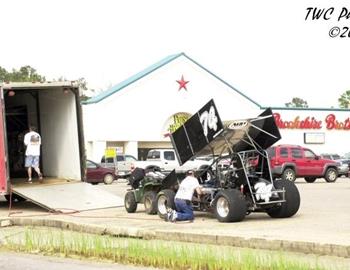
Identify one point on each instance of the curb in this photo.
(235, 241)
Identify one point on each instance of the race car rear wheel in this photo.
(165, 199)
(130, 203)
(292, 197)
(310, 179)
(331, 175)
(230, 206)
(150, 203)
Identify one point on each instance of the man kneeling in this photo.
(183, 197)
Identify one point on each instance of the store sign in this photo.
(110, 152)
(174, 122)
(310, 122)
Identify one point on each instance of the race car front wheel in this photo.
(165, 199)
(230, 206)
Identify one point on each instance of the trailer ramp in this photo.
(68, 196)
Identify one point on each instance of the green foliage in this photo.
(24, 74)
(344, 100)
(29, 74)
(155, 253)
(297, 103)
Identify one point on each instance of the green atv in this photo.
(155, 190)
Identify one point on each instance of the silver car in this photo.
(343, 164)
(122, 164)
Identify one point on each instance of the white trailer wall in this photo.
(59, 131)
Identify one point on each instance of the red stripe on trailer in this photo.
(3, 180)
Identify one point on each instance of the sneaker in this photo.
(41, 178)
(29, 181)
(168, 214)
(173, 216)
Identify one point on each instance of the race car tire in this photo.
(289, 174)
(310, 179)
(130, 203)
(230, 206)
(291, 206)
(165, 200)
(331, 175)
(150, 203)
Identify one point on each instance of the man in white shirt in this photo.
(183, 198)
(32, 141)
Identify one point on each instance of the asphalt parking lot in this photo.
(322, 224)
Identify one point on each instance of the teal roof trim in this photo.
(132, 79)
(224, 82)
(149, 70)
(307, 109)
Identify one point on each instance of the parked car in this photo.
(165, 160)
(95, 173)
(291, 161)
(122, 164)
(344, 164)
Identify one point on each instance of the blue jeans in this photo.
(184, 211)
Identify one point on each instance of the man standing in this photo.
(183, 198)
(32, 141)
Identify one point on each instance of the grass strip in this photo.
(155, 253)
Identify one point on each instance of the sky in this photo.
(269, 50)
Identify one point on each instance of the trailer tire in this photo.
(150, 202)
(331, 175)
(130, 203)
(108, 179)
(230, 206)
(165, 199)
(292, 204)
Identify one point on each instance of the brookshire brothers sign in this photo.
(311, 122)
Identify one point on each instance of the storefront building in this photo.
(139, 113)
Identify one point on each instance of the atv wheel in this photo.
(331, 175)
(289, 174)
(130, 203)
(230, 206)
(292, 203)
(165, 199)
(310, 179)
(108, 179)
(150, 203)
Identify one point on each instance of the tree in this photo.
(24, 74)
(29, 74)
(82, 83)
(344, 100)
(297, 103)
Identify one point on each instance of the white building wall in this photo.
(140, 111)
(336, 140)
(131, 148)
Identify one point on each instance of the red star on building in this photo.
(182, 83)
